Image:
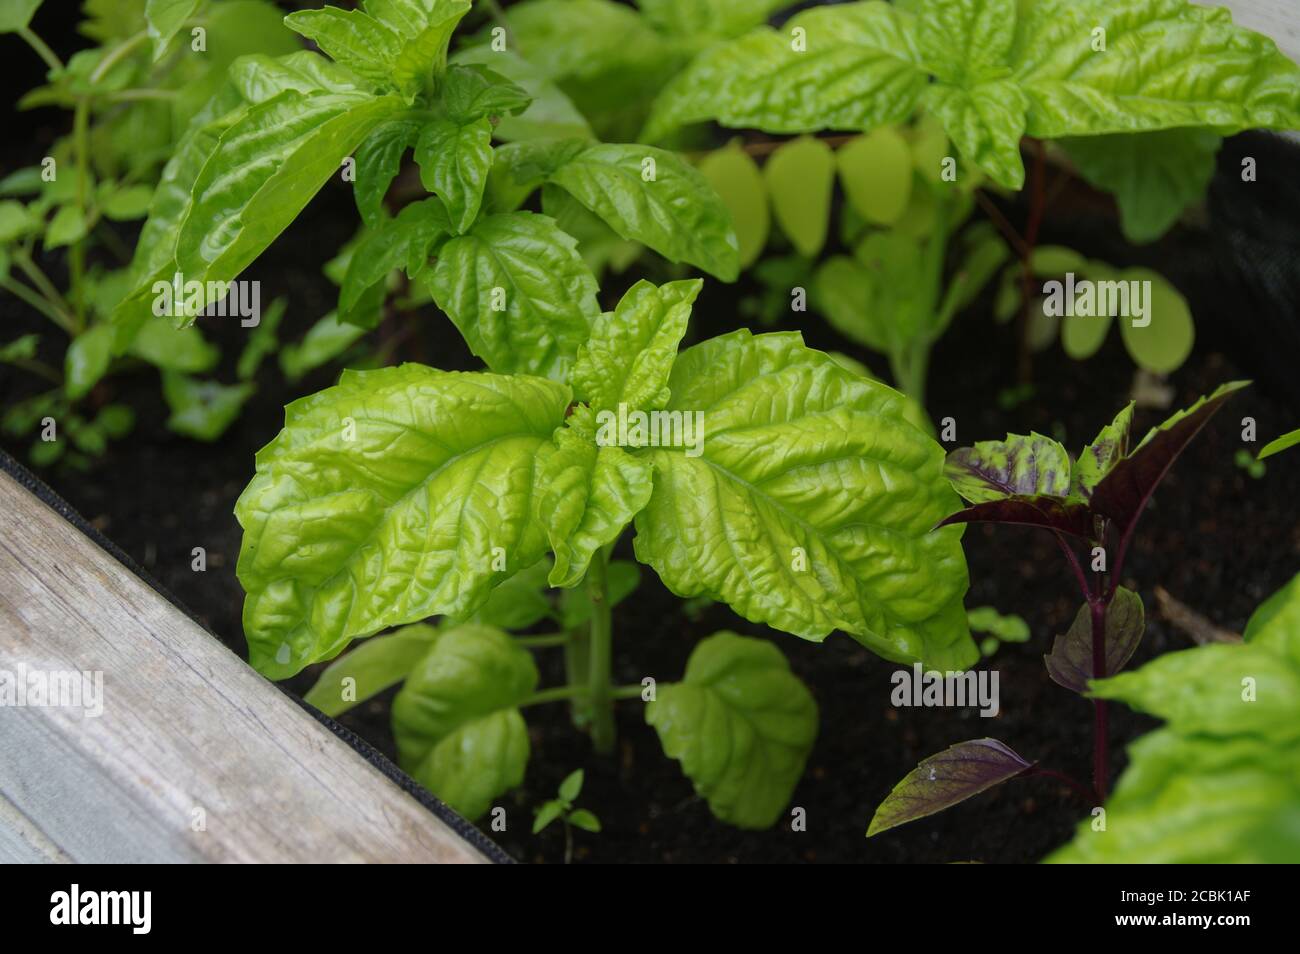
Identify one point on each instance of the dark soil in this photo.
(1214, 537)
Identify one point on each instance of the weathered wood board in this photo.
(194, 758)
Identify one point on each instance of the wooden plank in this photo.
(195, 757)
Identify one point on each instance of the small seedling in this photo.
(562, 808)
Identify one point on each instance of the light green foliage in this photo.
(456, 719)
(742, 726)
(736, 178)
(1280, 444)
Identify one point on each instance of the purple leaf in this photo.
(1017, 467)
(1123, 493)
(1053, 513)
(943, 780)
(1070, 661)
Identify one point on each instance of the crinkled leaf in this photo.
(631, 351)
(1167, 63)
(1123, 493)
(985, 123)
(375, 665)
(456, 720)
(654, 197)
(589, 494)
(1154, 176)
(470, 92)
(1106, 450)
(519, 292)
(860, 70)
(810, 505)
(259, 77)
(203, 410)
(941, 781)
(742, 726)
(1070, 661)
(518, 602)
(454, 160)
(800, 177)
(387, 499)
(1017, 467)
(965, 41)
(352, 38)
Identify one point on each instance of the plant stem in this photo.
(1076, 785)
(1099, 714)
(77, 256)
(547, 639)
(601, 657)
(43, 51)
(22, 258)
(1038, 203)
(46, 308)
(554, 694)
(626, 692)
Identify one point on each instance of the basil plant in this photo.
(756, 471)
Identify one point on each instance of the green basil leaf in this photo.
(324, 341)
(203, 410)
(1165, 339)
(852, 67)
(800, 177)
(736, 178)
(165, 19)
(1017, 467)
(590, 493)
(262, 343)
(876, 172)
(709, 18)
(473, 92)
(810, 504)
(571, 787)
(456, 720)
(518, 602)
(352, 38)
(1154, 176)
(985, 123)
(550, 115)
(654, 197)
(375, 665)
(582, 818)
(67, 226)
(403, 242)
(1196, 69)
(742, 726)
(176, 349)
(259, 77)
(1007, 629)
(87, 360)
(964, 42)
(454, 161)
(1282, 443)
(379, 158)
(519, 292)
(426, 27)
(396, 495)
(15, 15)
(631, 352)
(547, 813)
(1278, 616)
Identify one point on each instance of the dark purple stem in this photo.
(1073, 558)
(1081, 789)
(1099, 729)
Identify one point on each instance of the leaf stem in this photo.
(1037, 205)
(1099, 713)
(77, 256)
(45, 307)
(554, 694)
(1078, 786)
(546, 639)
(601, 656)
(43, 51)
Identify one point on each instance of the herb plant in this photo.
(561, 807)
(1220, 781)
(131, 96)
(1098, 500)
